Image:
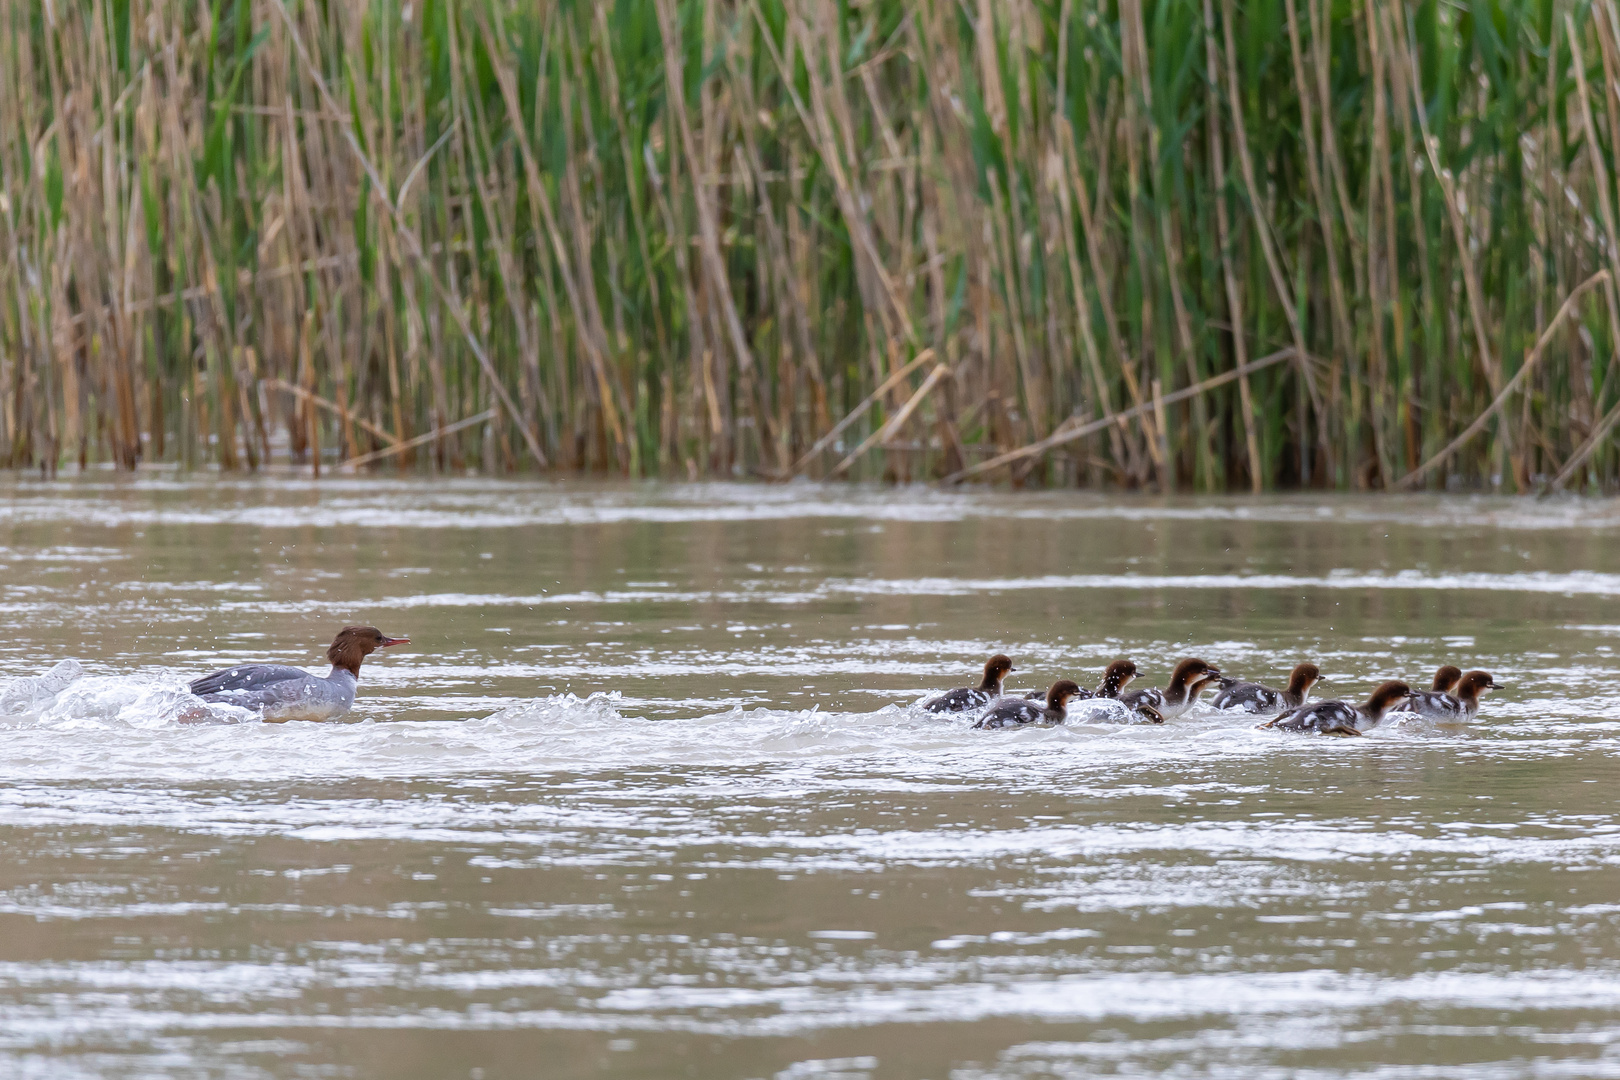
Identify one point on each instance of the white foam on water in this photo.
(148, 727)
(66, 700)
(26, 695)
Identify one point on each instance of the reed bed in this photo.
(1171, 244)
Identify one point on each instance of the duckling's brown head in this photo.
(1191, 678)
(1475, 685)
(1446, 679)
(1116, 677)
(1303, 677)
(1388, 696)
(1192, 673)
(995, 671)
(1060, 693)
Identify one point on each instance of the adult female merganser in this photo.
(1464, 705)
(965, 698)
(1190, 678)
(1020, 712)
(288, 693)
(1341, 717)
(1261, 700)
(1440, 699)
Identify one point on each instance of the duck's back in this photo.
(1016, 712)
(1323, 718)
(1152, 697)
(1435, 705)
(962, 699)
(245, 679)
(280, 693)
(1250, 697)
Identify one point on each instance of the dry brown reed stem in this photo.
(1257, 207)
(858, 411)
(1459, 223)
(1067, 434)
(1223, 234)
(892, 426)
(331, 407)
(1513, 384)
(379, 193)
(355, 463)
(1594, 157)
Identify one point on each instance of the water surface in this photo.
(648, 797)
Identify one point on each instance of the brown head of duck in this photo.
(354, 643)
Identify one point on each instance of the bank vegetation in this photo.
(1169, 244)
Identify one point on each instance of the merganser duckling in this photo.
(1260, 700)
(1103, 705)
(1341, 717)
(1446, 678)
(1115, 677)
(1439, 699)
(1190, 678)
(966, 698)
(288, 693)
(1464, 705)
(1021, 712)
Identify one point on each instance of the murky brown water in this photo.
(646, 797)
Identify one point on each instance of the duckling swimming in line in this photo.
(1260, 700)
(1341, 717)
(1020, 712)
(967, 698)
(1190, 678)
(1464, 705)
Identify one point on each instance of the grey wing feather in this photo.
(1154, 697)
(1327, 718)
(1250, 697)
(959, 700)
(245, 679)
(1433, 704)
(1012, 713)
